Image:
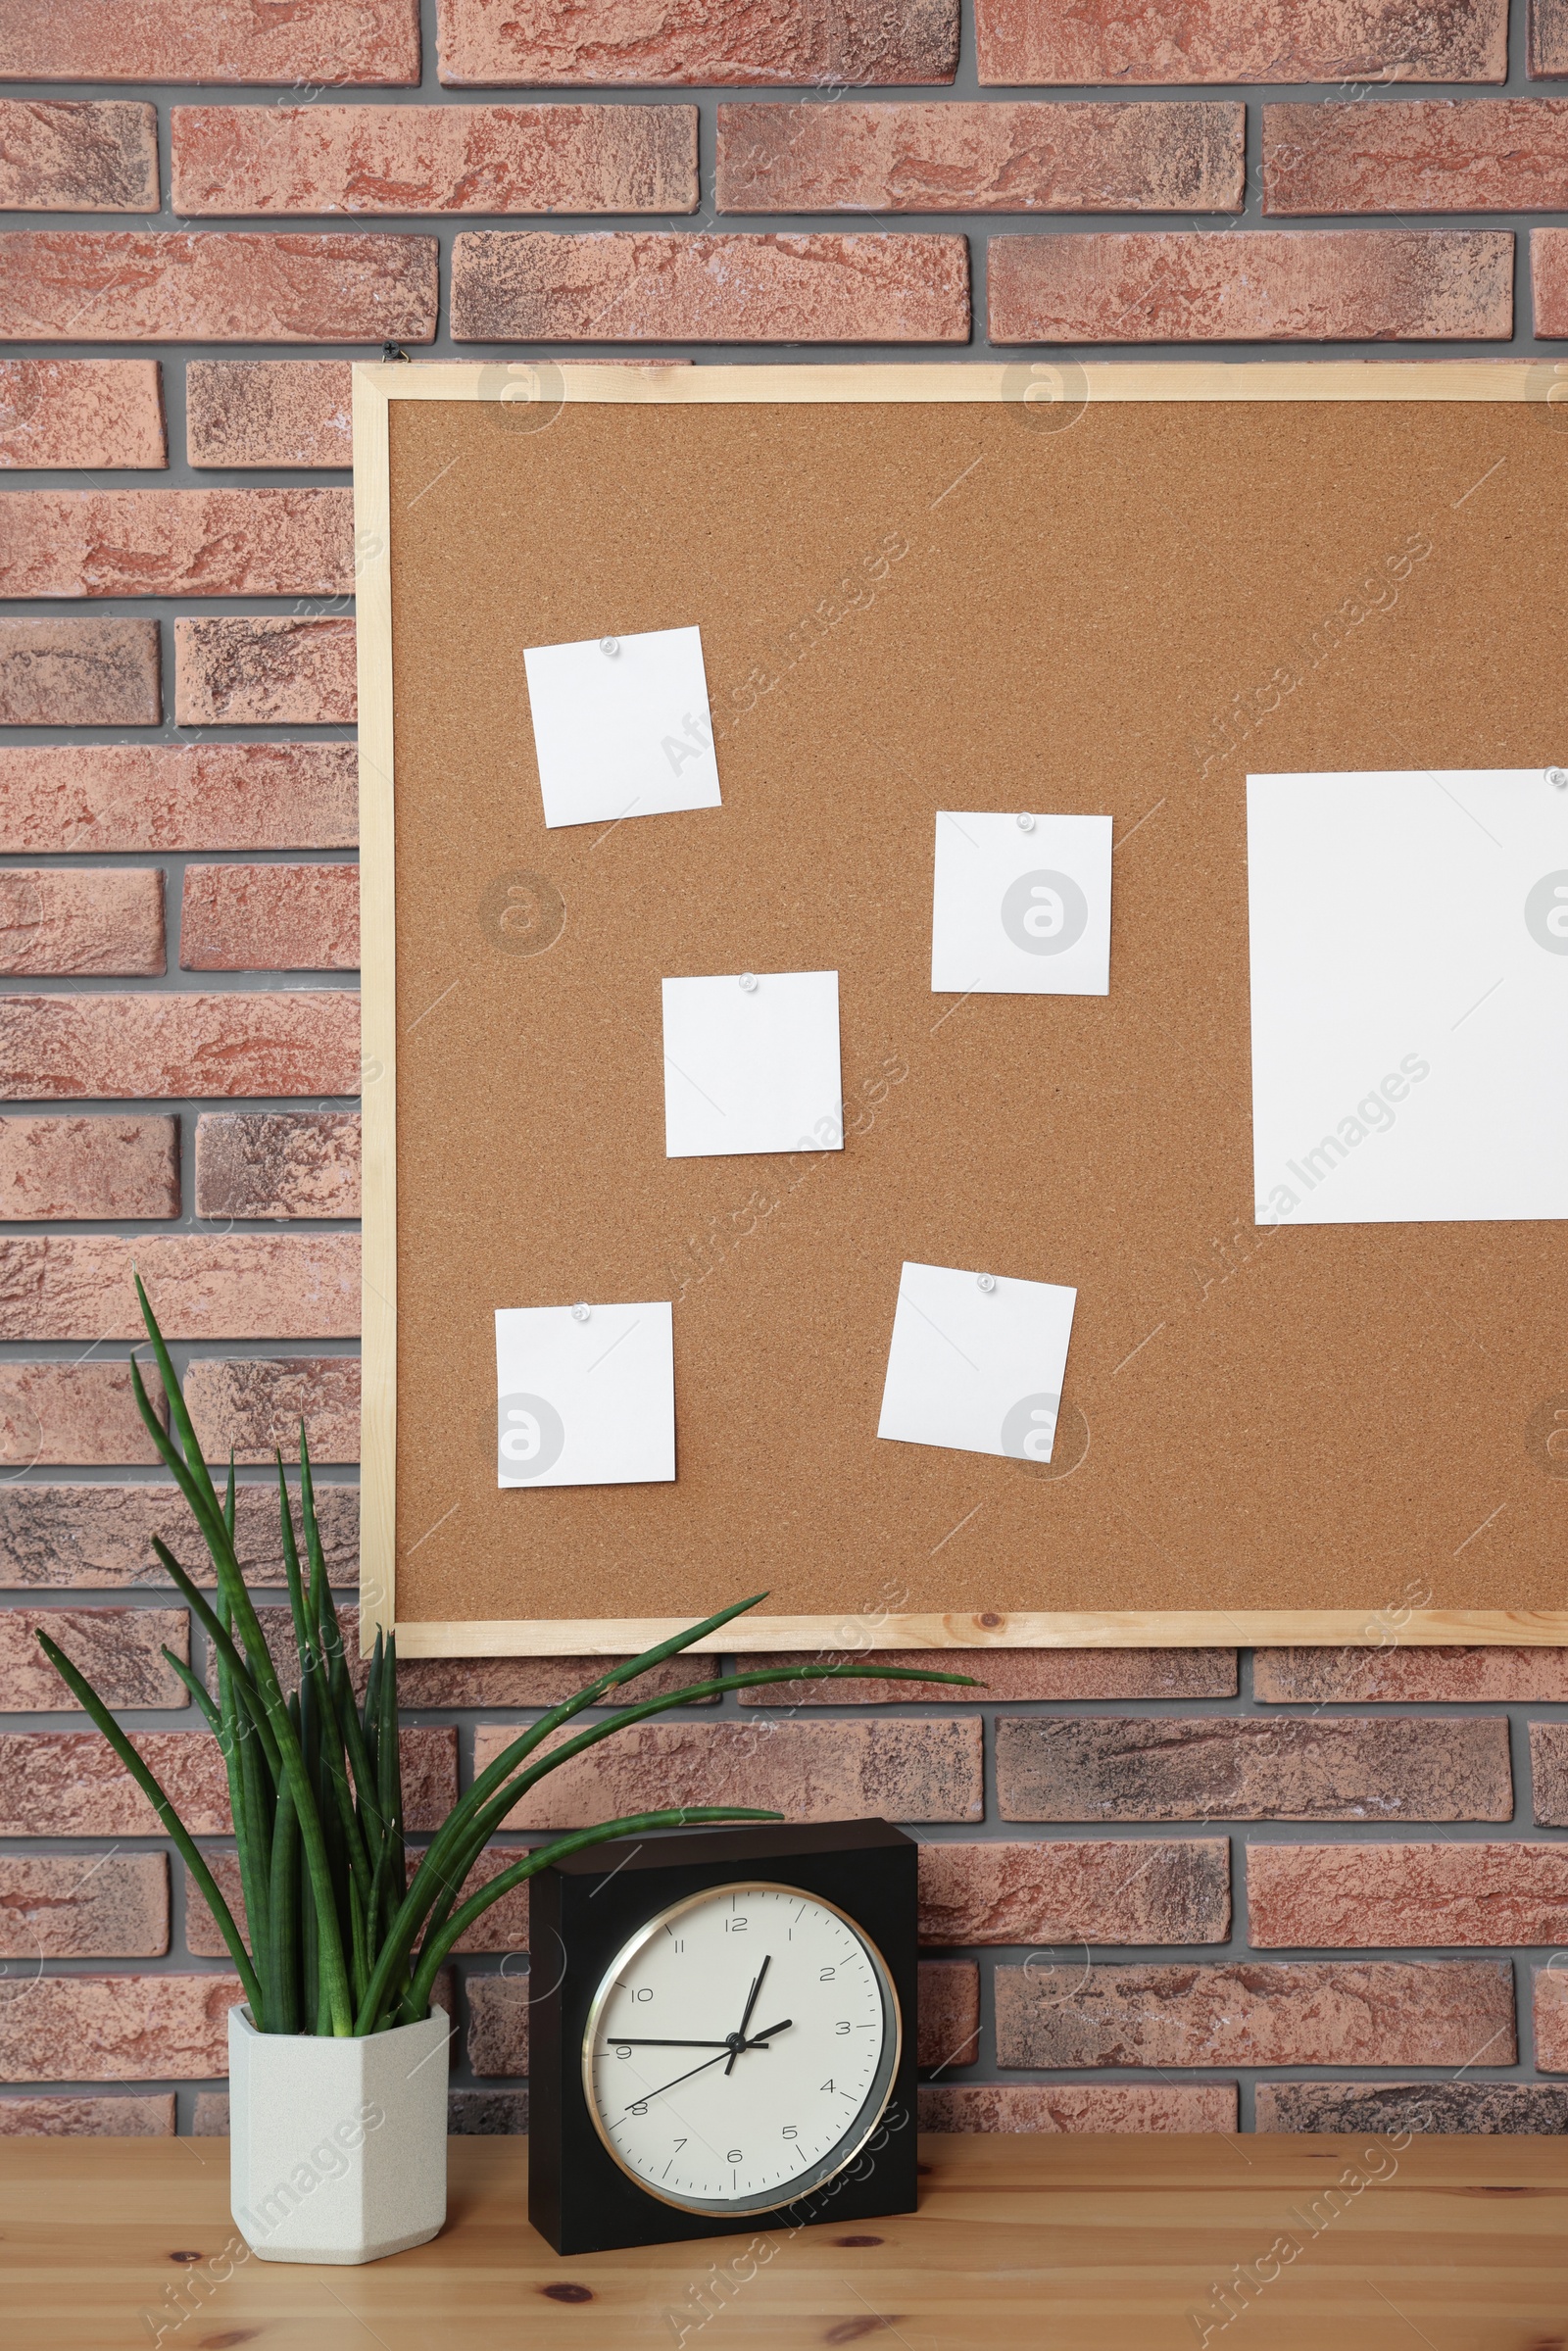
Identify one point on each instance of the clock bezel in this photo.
(807, 2182)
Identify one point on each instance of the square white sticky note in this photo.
(585, 1398)
(622, 727)
(977, 1363)
(1409, 973)
(752, 1064)
(1021, 906)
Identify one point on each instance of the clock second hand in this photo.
(758, 2041)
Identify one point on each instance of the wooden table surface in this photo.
(1055, 2243)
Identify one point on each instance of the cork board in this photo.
(934, 600)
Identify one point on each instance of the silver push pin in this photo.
(579, 1312)
(1560, 777)
(610, 645)
(748, 982)
(988, 1281)
(1026, 824)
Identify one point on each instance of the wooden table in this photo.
(1054, 2244)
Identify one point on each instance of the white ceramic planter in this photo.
(337, 2149)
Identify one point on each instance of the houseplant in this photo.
(338, 2101)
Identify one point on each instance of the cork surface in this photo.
(906, 608)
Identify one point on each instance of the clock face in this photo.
(741, 2048)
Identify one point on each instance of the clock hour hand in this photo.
(759, 2040)
(619, 2040)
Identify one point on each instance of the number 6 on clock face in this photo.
(740, 2048)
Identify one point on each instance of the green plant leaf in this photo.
(91, 1704)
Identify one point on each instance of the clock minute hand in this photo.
(751, 2003)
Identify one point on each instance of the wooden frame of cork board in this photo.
(1110, 588)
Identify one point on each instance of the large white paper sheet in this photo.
(1409, 976)
(752, 1064)
(1021, 905)
(622, 727)
(585, 1396)
(976, 1362)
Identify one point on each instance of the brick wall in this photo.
(1162, 1892)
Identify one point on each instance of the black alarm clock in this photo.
(729, 2041)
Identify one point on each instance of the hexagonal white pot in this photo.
(337, 2149)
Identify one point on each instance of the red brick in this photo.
(118, 1649)
(1548, 1767)
(76, 1537)
(114, 797)
(97, 412)
(270, 918)
(253, 1408)
(72, 1783)
(88, 2118)
(71, 1414)
(430, 1759)
(489, 44)
(1551, 2019)
(624, 286)
(63, 155)
(297, 1042)
(1433, 155)
(332, 41)
(284, 412)
(270, 412)
(433, 159)
(1426, 1896)
(1159, 1890)
(1302, 2012)
(1208, 1767)
(949, 2013)
(503, 1927)
(81, 921)
(98, 672)
(1268, 285)
(830, 1771)
(1549, 40)
(177, 543)
(1406, 1676)
(537, 1681)
(201, 1285)
(1021, 41)
(210, 2116)
(102, 1167)
(1009, 1674)
(1548, 270)
(1465, 2109)
(487, 2113)
(259, 1163)
(68, 1906)
(1119, 2106)
(953, 157)
(264, 672)
(159, 285)
(118, 2029)
(483, 1680)
(498, 2026)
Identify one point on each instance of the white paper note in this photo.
(585, 1400)
(1409, 996)
(974, 1367)
(752, 1064)
(1021, 906)
(622, 727)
